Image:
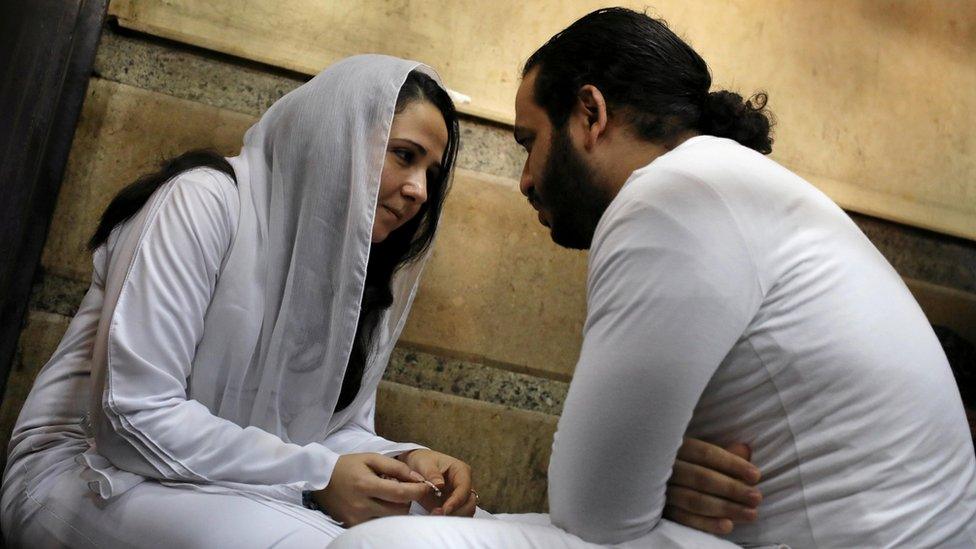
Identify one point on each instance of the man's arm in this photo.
(672, 286)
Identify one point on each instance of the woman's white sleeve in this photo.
(153, 429)
(671, 288)
(359, 435)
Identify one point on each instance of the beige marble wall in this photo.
(122, 133)
(498, 317)
(495, 289)
(873, 97)
(508, 450)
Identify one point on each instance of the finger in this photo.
(432, 473)
(713, 483)
(391, 490)
(468, 507)
(380, 508)
(709, 506)
(459, 474)
(713, 457)
(740, 449)
(392, 468)
(698, 522)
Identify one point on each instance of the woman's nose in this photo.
(415, 188)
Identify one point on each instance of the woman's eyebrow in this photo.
(423, 150)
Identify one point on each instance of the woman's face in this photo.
(418, 138)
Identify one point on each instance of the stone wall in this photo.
(483, 366)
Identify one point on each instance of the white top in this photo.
(172, 433)
(254, 315)
(730, 298)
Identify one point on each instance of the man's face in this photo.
(556, 179)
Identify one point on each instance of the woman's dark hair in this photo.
(132, 198)
(402, 246)
(408, 242)
(648, 76)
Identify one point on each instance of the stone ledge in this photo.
(476, 381)
(245, 87)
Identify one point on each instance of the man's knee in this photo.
(383, 532)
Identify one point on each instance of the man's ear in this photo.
(591, 112)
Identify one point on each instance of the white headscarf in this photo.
(289, 295)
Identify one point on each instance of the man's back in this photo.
(838, 382)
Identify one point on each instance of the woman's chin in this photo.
(379, 235)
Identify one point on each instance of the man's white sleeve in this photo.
(672, 286)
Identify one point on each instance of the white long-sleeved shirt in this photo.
(154, 425)
(729, 299)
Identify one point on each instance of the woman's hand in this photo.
(368, 486)
(450, 475)
(712, 488)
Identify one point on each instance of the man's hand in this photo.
(368, 486)
(450, 475)
(712, 488)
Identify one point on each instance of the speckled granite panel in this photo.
(490, 149)
(57, 295)
(189, 73)
(477, 381)
(243, 86)
(923, 255)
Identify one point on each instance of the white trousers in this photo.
(68, 514)
(533, 531)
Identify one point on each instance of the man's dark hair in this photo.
(649, 77)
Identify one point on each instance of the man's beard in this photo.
(569, 193)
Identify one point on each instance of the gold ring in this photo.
(477, 498)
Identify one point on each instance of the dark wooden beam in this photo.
(47, 48)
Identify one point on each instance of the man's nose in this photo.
(525, 183)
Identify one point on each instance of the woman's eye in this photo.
(404, 155)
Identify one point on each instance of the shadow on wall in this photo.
(962, 358)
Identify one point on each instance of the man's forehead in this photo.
(527, 86)
(525, 106)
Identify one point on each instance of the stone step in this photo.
(508, 449)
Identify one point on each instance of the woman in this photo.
(217, 385)
(235, 333)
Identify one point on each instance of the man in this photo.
(726, 298)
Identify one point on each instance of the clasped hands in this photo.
(368, 486)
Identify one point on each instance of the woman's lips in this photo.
(395, 213)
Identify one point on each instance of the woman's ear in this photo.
(591, 109)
